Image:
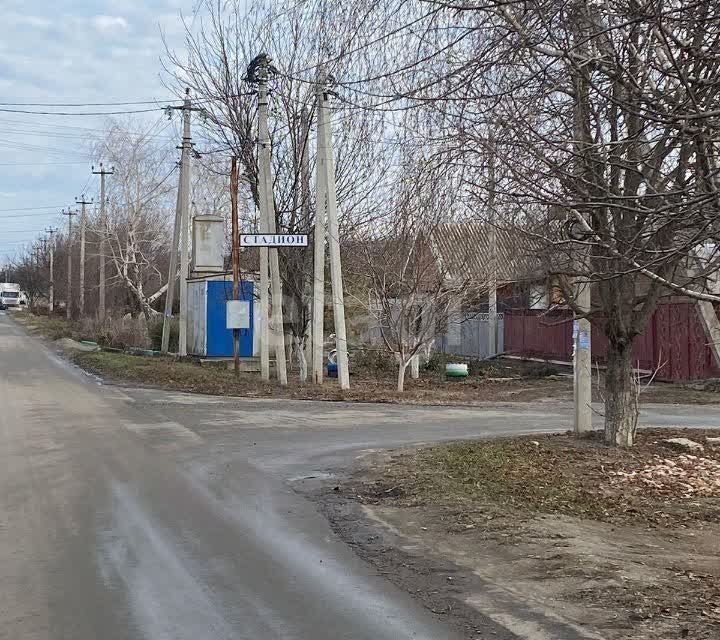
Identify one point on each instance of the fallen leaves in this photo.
(684, 476)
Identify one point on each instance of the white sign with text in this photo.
(273, 240)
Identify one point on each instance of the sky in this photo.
(62, 51)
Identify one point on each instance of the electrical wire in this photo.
(78, 113)
(84, 104)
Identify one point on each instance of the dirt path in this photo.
(633, 569)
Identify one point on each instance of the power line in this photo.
(80, 113)
(60, 206)
(84, 104)
(41, 164)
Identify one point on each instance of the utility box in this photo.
(207, 245)
(208, 333)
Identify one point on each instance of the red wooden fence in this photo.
(674, 341)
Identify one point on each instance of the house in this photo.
(456, 258)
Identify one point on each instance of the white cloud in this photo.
(109, 24)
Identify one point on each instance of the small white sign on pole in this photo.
(237, 314)
(273, 240)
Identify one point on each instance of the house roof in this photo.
(462, 250)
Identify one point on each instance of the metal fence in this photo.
(467, 335)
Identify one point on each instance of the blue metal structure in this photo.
(219, 337)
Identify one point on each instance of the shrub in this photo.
(155, 328)
(541, 370)
(117, 333)
(372, 359)
(484, 368)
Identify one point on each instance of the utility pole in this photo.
(103, 230)
(582, 337)
(305, 212)
(184, 202)
(264, 295)
(51, 302)
(492, 246)
(318, 310)
(328, 168)
(582, 358)
(173, 270)
(235, 255)
(83, 220)
(68, 302)
(258, 73)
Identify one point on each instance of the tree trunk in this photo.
(299, 345)
(621, 394)
(401, 375)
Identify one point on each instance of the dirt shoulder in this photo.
(372, 377)
(550, 536)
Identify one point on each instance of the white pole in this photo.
(276, 327)
(264, 301)
(492, 242)
(334, 246)
(582, 362)
(318, 310)
(172, 271)
(184, 223)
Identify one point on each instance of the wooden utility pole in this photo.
(258, 73)
(68, 301)
(235, 255)
(103, 230)
(83, 223)
(328, 168)
(318, 309)
(51, 302)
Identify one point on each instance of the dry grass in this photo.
(552, 474)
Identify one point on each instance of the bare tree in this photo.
(138, 213)
(606, 119)
(411, 294)
(297, 37)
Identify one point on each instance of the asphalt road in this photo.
(138, 514)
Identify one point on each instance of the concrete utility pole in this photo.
(305, 212)
(173, 270)
(582, 359)
(318, 309)
(103, 230)
(51, 302)
(328, 168)
(68, 302)
(235, 255)
(492, 247)
(184, 228)
(83, 223)
(264, 299)
(258, 73)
